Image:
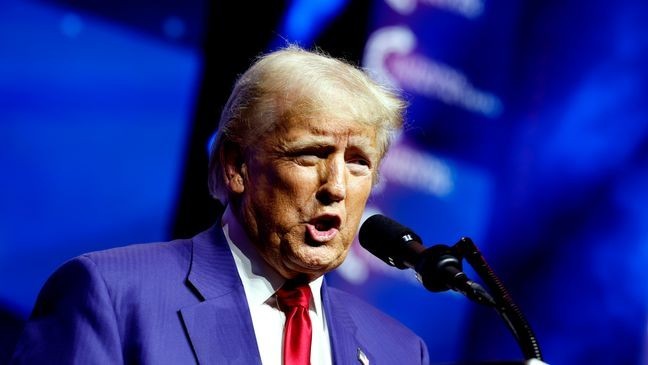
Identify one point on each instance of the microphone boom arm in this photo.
(504, 304)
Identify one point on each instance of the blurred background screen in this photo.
(527, 131)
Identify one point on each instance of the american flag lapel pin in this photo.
(364, 360)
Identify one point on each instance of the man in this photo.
(297, 152)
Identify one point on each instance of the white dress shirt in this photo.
(260, 282)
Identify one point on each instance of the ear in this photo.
(233, 166)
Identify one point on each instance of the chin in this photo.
(314, 261)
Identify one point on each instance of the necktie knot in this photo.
(293, 295)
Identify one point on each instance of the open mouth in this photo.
(323, 228)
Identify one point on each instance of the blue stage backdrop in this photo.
(94, 117)
(527, 131)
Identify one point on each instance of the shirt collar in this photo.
(260, 281)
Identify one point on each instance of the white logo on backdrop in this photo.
(391, 58)
(469, 8)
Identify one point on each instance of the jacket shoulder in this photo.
(143, 257)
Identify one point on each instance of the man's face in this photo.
(305, 188)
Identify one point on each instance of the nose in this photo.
(333, 181)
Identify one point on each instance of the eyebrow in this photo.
(359, 143)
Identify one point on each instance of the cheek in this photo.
(359, 193)
(356, 200)
(297, 183)
(285, 190)
(276, 183)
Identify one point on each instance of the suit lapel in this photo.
(221, 333)
(220, 327)
(342, 330)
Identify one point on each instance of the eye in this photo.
(306, 159)
(309, 156)
(359, 165)
(359, 161)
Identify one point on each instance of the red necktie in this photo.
(294, 301)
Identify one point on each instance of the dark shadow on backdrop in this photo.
(236, 34)
(11, 325)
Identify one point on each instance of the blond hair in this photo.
(296, 83)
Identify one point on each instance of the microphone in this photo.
(439, 267)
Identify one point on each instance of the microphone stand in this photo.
(501, 299)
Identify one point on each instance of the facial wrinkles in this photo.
(341, 138)
(279, 179)
(350, 144)
(290, 189)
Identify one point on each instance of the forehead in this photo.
(327, 129)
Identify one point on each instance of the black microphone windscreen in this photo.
(388, 240)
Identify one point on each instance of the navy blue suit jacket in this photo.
(182, 302)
